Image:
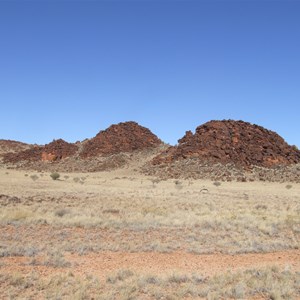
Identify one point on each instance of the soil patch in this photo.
(104, 263)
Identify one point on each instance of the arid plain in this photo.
(121, 235)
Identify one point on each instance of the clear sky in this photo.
(71, 68)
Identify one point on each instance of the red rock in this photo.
(7, 146)
(48, 156)
(56, 150)
(229, 141)
(59, 149)
(123, 137)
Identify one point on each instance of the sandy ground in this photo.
(105, 263)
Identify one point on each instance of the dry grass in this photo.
(231, 218)
(269, 283)
(46, 219)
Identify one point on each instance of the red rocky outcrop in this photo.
(229, 141)
(56, 150)
(7, 146)
(123, 137)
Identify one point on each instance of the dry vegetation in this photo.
(269, 283)
(49, 224)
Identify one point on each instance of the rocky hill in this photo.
(236, 142)
(228, 150)
(116, 147)
(218, 150)
(7, 146)
(123, 137)
(54, 151)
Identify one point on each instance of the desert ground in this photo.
(123, 235)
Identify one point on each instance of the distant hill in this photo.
(219, 150)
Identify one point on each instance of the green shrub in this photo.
(54, 175)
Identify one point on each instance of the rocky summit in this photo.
(122, 137)
(237, 142)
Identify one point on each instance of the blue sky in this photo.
(71, 68)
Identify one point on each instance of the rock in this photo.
(48, 156)
(123, 137)
(56, 150)
(7, 146)
(237, 142)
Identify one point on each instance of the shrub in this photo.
(54, 175)
(34, 177)
(61, 212)
(56, 260)
(178, 184)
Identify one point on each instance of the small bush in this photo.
(288, 186)
(217, 183)
(54, 175)
(176, 278)
(61, 212)
(34, 177)
(178, 184)
(56, 260)
(121, 275)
